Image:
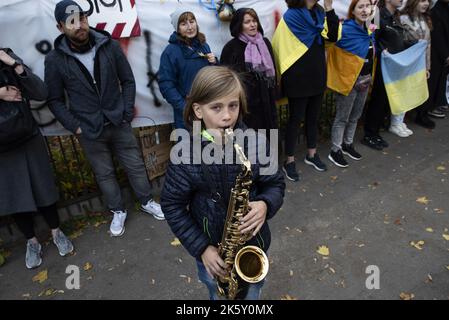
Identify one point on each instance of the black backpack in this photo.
(17, 124)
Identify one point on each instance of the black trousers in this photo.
(25, 222)
(378, 108)
(298, 107)
(436, 84)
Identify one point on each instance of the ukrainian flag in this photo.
(405, 78)
(295, 34)
(345, 59)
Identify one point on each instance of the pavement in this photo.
(388, 212)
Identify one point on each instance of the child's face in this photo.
(219, 114)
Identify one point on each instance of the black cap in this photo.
(66, 8)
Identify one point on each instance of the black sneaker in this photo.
(382, 142)
(348, 149)
(338, 159)
(437, 113)
(315, 162)
(290, 171)
(425, 122)
(371, 142)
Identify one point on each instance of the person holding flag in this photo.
(349, 68)
(298, 45)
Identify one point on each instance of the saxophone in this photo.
(244, 263)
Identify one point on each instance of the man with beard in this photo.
(94, 72)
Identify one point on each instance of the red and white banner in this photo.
(118, 17)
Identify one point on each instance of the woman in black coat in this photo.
(27, 183)
(258, 71)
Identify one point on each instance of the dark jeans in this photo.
(25, 223)
(120, 142)
(310, 106)
(378, 107)
(253, 292)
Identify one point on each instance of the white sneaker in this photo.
(153, 208)
(406, 129)
(398, 130)
(118, 223)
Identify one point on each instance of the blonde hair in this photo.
(212, 83)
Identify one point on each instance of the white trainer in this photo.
(406, 129)
(153, 208)
(118, 223)
(398, 130)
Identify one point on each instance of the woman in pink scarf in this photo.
(250, 54)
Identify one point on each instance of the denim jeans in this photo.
(120, 142)
(254, 289)
(397, 119)
(349, 109)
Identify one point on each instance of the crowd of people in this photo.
(90, 88)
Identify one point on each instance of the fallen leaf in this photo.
(47, 292)
(87, 266)
(418, 245)
(447, 267)
(334, 178)
(288, 297)
(441, 168)
(323, 250)
(446, 236)
(406, 296)
(397, 222)
(438, 210)
(26, 295)
(2, 259)
(175, 242)
(41, 276)
(429, 277)
(422, 200)
(291, 273)
(429, 229)
(332, 270)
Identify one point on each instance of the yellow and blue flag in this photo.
(345, 59)
(295, 34)
(405, 77)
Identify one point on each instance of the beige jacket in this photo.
(417, 30)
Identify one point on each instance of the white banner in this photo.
(29, 28)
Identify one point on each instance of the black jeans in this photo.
(25, 223)
(310, 106)
(378, 107)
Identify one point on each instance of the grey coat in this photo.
(26, 176)
(112, 97)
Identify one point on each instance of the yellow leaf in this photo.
(441, 168)
(41, 276)
(418, 245)
(422, 200)
(288, 297)
(323, 250)
(446, 236)
(429, 229)
(175, 242)
(406, 296)
(291, 273)
(87, 266)
(447, 267)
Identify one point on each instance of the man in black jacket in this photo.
(94, 72)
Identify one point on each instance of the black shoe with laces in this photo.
(348, 149)
(371, 142)
(315, 162)
(338, 159)
(425, 122)
(290, 171)
(382, 142)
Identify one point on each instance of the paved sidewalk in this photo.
(365, 215)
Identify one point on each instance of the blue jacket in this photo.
(178, 67)
(195, 219)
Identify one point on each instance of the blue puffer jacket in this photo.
(195, 219)
(178, 67)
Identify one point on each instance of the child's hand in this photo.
(255, 218)
(215, 266)
(211, 58)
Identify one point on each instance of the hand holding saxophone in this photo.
(255, 218)
(215, 266)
